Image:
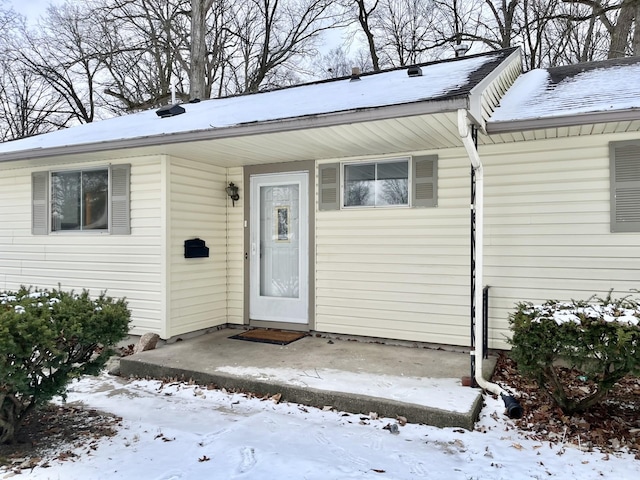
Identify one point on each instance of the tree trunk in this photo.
(622, 29)
(197, 72)
(9, 418)
(635, 45)
(363, 18)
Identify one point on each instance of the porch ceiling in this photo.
(375, 137)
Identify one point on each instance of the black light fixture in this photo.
(232, 191)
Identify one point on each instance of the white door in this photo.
(279, 248)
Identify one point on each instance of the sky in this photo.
(31, 9)
(179, 431)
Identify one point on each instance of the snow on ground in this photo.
(442, 393)
(180, 431)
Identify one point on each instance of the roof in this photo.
(592, 92)
(444, 86)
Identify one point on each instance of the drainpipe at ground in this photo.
(514, 410)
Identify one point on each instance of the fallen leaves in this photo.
(163, 438)
(612, 426)
(53, 432)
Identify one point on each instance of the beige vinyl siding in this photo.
(547, 232)
(197, 209)
(123, 265)
(398, 272)
(235, 249)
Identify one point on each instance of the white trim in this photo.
(267, 308)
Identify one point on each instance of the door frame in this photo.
(274, 168)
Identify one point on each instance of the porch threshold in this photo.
(421, 384)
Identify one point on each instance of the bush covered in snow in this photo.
(47, 338)
(599, 338)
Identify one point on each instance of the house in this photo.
(352, 209)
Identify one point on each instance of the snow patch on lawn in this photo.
(180, 431)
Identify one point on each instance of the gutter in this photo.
(212, 133)
(541, 123)
(514, 410)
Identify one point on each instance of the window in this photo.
(625, 186)
(79, 200)
(394, 182)
(376, 184)
(90, 200)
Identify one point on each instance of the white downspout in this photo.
(513, 408)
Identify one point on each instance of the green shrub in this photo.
(47, 338)
(600, 338)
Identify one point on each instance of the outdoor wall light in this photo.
(232, 191)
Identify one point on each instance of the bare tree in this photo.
(197, 82)
(27, 106)
(59, 52)
(143, 41)
(407, 25)
(364, 14)
(621, 20)
(621, 30)
(333, 64)
(272, 35)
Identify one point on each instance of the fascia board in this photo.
(258, 128)
(512, 65)
(511, 126)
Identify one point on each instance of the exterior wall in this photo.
(547, 231)
(235, 248)
(400, 273)
(197, 209)
(123, 265)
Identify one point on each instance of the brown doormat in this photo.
(277, 337)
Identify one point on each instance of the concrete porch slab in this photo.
(419, 383)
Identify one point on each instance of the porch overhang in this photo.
(391, 130)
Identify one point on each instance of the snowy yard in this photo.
(181, 431)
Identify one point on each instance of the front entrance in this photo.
(279, 248)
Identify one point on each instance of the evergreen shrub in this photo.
(599, 338)
(48, 338)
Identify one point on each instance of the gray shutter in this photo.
(424, 181)
(625, 186)
(40, 203)
(120, 202)
(329, 179)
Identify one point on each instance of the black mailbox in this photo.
(195, 248)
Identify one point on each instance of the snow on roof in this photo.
(439, 80)
(594, 87)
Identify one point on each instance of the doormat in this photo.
(276, 337)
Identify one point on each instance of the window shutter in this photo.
(120, 209)
(40, 203)
(625, 186)
(329, 179)
(425, 181)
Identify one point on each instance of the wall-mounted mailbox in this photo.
(195, 248)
